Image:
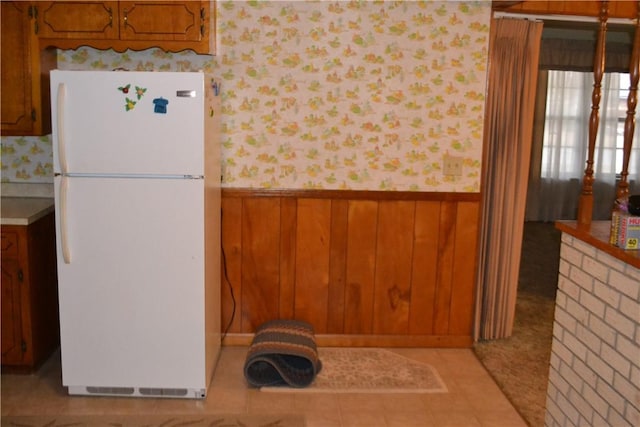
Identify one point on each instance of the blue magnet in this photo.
(160, 105)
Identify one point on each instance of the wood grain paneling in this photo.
(312, 262)
(288, 230)
(260, 261)
(361, 266)
(464, 268)
(444, 269)
(424, 268)
(364, 268)
(231, 263)
(338, 266)
(392, 295)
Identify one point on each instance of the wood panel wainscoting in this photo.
(365, 268)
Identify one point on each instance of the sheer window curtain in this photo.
(555, 183)
(513, 68)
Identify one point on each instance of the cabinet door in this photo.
(11, 312)
(162, 20)
(16, 91)
(25, 80)
(95, 20)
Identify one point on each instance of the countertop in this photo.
(24, 210)
(597, 235)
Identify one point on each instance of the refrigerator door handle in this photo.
(64, 237)
(62, 152)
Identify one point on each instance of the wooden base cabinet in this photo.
(30, 323)
(121, 25)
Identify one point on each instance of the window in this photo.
(566, 131)
(560, 147)
(622, 116)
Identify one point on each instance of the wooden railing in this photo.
(585, 204)
(632, 101)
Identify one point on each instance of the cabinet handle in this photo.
(20, 275)
(202, 18)
(126, 17)
(110, 17)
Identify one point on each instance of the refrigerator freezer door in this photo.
(116, 122)
(131, 294)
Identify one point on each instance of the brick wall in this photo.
(594, 377)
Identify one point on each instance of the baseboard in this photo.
(328, 340)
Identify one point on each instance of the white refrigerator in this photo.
(137, 202)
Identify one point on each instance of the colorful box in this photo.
(625, 231)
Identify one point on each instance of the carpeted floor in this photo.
(520, 363)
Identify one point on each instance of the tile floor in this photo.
(473, 400)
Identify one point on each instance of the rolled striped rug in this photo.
(283, 353)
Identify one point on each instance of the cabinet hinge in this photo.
(33, 14)
(20, 275)
(23, 346)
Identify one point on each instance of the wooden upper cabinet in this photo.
(16, 70)
(78, 20)
(122, 25)
(25, 106)
(161, 21)
(617, 9)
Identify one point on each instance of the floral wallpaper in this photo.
(26, 159)
(362, 95)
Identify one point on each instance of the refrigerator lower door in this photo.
(131, 289)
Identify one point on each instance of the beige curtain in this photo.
(513, 69)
